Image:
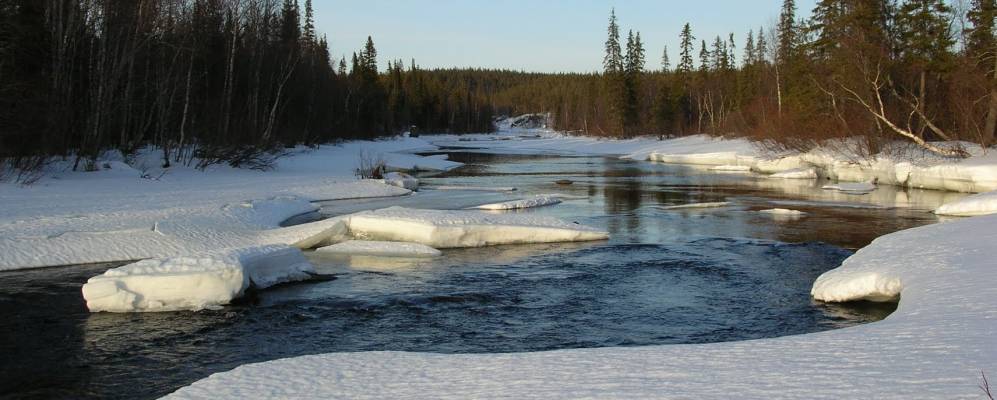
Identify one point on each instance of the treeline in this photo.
(204, 81)
(873, 69)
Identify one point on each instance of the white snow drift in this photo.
(401, 180)
(380, 249)
(194, 283)
(535, 201)
(933, 346)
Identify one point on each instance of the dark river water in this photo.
(665, 276)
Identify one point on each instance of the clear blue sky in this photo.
(531, 35)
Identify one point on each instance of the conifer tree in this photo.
(613, 61)
(749, 50)
(786, 31)
(704, 57)
(665, 65)
(685, 55)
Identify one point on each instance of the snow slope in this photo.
(934, 346)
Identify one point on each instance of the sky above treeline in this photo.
(531, 35)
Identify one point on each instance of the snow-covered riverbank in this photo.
(900, 165)
(934, 346)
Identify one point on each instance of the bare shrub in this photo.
(24, 170)
(251, 157)
(985, 386)
(370, 166)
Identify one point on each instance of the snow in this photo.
(852, 187)
(402, 180)
(933, 346)
(715, 204)
(899, 163)
(796, 173)
(193, 283)
(450, 229)
(535, 201)
(977, 204)
(473, 188)
(380, 249)
(115, 215)
(783, 211)
(731, 168)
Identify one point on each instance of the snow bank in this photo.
(796, 173)
(380, 249)
(449, 229)
(193, 283)
(715, 204)
(978, 204)
(535, 201)
(933, 346)
(401, 180)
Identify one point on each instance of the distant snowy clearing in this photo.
(934, 346)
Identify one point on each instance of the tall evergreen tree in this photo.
(685, 55)
(665, 64)
(786, 31)
(613, 61)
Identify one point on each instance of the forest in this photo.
(232, 81)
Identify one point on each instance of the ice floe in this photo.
(535, 201)
(401, 180)
(380, 249)
(449, 229)
(715, 204)
(796, 173)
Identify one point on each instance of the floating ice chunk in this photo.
(783, 211)
(536, 201)
(796, 173)
(449, 229)
(731, 168)
(852, 187)
(715, 204)
(193, 283)
(978, 204)
(474, 188)
(401, 180)
(380, 249)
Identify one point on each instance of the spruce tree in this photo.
(685, 55)
(749, 50)
(704, 57)
(787, 31)
(665, 65)
(613, 62)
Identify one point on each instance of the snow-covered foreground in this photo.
(934, 346)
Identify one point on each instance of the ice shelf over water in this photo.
(195, 282)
